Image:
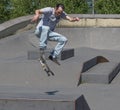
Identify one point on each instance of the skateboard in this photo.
(45, 66)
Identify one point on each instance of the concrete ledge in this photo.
(65, 54)
(10, 27)
(94, 16)
(35, 101)
(91, 22)
(101, 73)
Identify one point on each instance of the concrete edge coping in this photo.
(94, 16)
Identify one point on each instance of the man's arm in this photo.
(72, 19)
(36, 16)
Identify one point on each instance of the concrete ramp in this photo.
(96, 60)
(32, 98)
(85, 37)
(43, 102)
(15, 64)
(98, 38)
(16, 69)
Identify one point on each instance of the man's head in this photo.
(59, 9)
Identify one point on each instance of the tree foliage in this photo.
(14, 8)
(107, 6)
(4, 10)
(24, 7)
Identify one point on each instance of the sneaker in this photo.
(54, 59)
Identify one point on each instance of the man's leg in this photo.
(53, 36)
(42, 33)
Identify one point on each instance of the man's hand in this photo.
(76, 19)
(72, 19)
(35, 18)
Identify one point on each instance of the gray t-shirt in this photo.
(48, 18)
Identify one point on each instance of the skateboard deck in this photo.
(45, 66)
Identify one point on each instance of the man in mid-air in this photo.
(45, 29)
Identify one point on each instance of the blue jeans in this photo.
(45, 34)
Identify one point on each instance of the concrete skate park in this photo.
(87, 79)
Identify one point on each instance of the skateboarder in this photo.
(49, 17)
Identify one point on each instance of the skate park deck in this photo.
(20, 75)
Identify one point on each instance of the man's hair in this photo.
(60, 5)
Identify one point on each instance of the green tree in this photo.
(4, 10)
(23, 7)
(71, 6)
(107, 6)
(15, 8)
